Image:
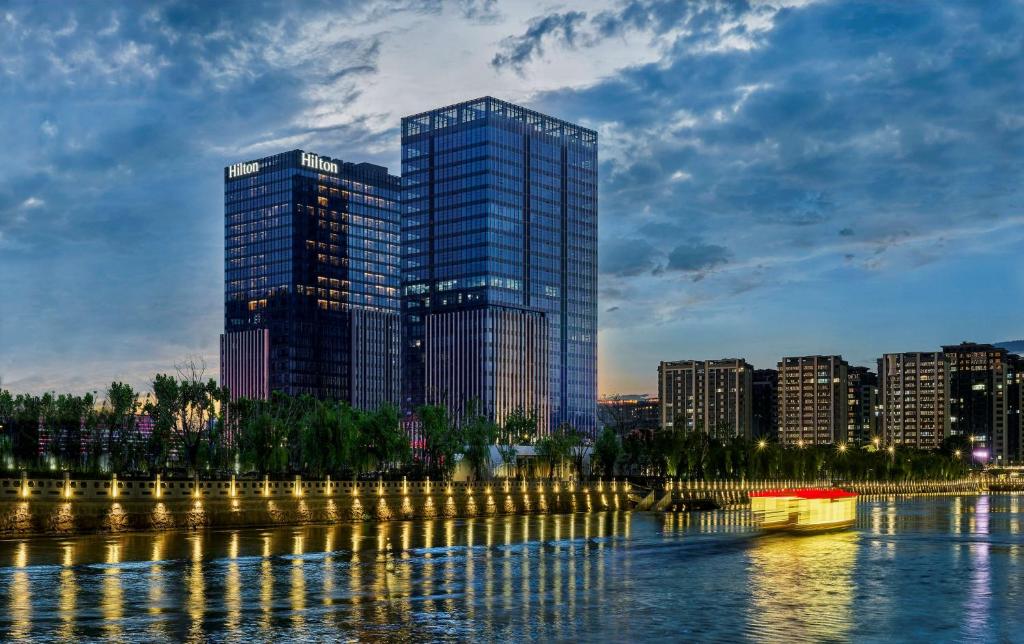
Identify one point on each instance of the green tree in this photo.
(442, 440)
(185, 408)
(121, 420)
(519, 428)
(384, 441)
(479, 433)
(607, 449)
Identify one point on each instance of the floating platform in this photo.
(804, 510)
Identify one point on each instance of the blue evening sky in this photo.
(777, 178)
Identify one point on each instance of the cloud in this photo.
(627, 257)
(516, 51)
(695, 256)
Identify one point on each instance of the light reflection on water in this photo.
(931, 569)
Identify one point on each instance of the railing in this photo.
(98, 489)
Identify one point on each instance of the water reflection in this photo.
(595, 576)
(804, 581)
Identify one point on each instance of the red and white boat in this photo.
(804, 509)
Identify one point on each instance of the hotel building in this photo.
(499, 263)
(311, 279)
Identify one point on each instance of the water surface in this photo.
(915, 569)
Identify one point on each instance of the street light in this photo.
(875, 440)
(842, 447)
(956, 453)
(761, 444)
(891, 449)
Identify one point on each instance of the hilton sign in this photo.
(242, 169)
(313, 161)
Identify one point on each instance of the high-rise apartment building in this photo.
(976, 381)
(1015, 407)
(765, 388)
(714, 396)
(499, 262)
(813, 393)
(913, 399)
(861, 405)
(311, 279)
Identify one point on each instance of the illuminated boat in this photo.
(804, 510)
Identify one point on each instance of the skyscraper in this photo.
(499, 262)
(713, 396)
(913, 390)
(813, 400)
(311, 279)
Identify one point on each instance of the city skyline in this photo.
(762, 195)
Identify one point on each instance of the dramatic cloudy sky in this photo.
(777, 177)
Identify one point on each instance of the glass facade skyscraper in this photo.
(499, 262)
(311, 279)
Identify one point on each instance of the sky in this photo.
(776, 178)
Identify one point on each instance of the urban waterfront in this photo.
(927, 568)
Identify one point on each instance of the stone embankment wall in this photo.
(42, 506)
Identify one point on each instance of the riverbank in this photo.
(62, 507)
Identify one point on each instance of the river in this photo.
(915, 569)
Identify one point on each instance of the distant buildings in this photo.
(311, 279)
(765, 403)
(813, 397)
(712, 395)
(499, 261)
(913, 399)
(629, 413)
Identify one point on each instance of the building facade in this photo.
(1014, 406)
(913, 399)
(813, 394)
(976, 391)
(311, 279)
(499, 263)
(714, 396)
(861, 405)
(765, 390)
(629, 413)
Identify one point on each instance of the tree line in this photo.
(698, 455)
(190, 425)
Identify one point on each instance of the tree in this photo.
(383, 439)
(607, 449)
(186, 407)
(479, 434)
(319, 438)
(121, 414)
(441, 440)
(519, 428)
(264, 427)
